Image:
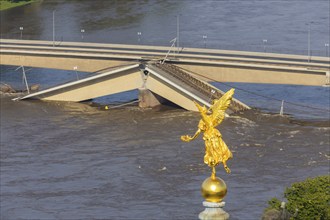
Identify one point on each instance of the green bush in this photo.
(309, 199)
(274, 203)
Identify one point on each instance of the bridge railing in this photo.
(185, 77)
(207, 90)
(325, 52)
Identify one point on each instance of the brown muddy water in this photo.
(77, 161)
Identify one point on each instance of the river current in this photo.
(80, 161)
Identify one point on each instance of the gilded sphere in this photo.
(214, 189)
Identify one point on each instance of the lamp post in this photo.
(204, 39)
(178, 32)
(53, 28)
(309, 41)
(264, 42)
(21, 29)
(82, 31)
(139, 36)
(326, 49)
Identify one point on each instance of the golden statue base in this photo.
(213, 211)
(214, 190)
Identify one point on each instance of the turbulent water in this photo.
(79, 161)
(75, 161)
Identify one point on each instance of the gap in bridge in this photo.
(45, 77)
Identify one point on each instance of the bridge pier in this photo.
(149, 99)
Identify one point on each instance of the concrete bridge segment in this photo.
(215, 65)
(181, 79)
(155, 82)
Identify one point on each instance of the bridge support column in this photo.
(149, 99)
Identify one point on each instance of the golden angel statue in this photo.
(216, 150)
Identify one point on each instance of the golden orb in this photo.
(214, 189)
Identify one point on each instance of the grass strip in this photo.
(4, 4)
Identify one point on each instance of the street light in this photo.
(177, 32)
(309, 41)
(204, 39)
(139, 36)
(53, 28)
(82, 31)
(326, 49)
(264, 41)
(21, 29)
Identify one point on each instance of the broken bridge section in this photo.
(182, 88)
(100, 84)
(155, 81)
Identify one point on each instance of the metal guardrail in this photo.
(248, 47)
(146, 50)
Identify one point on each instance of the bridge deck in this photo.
(214, 65)
(166, 80)
(203, 90)
(160, 50)
(135, 52)
(100, 84)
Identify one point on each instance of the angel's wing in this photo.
(219, 107)
(202, 110)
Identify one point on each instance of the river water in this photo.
(79, 161)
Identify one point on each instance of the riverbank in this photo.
(4, 4)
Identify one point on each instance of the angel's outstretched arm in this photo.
(188, 138)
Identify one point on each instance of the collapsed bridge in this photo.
(157, 82)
